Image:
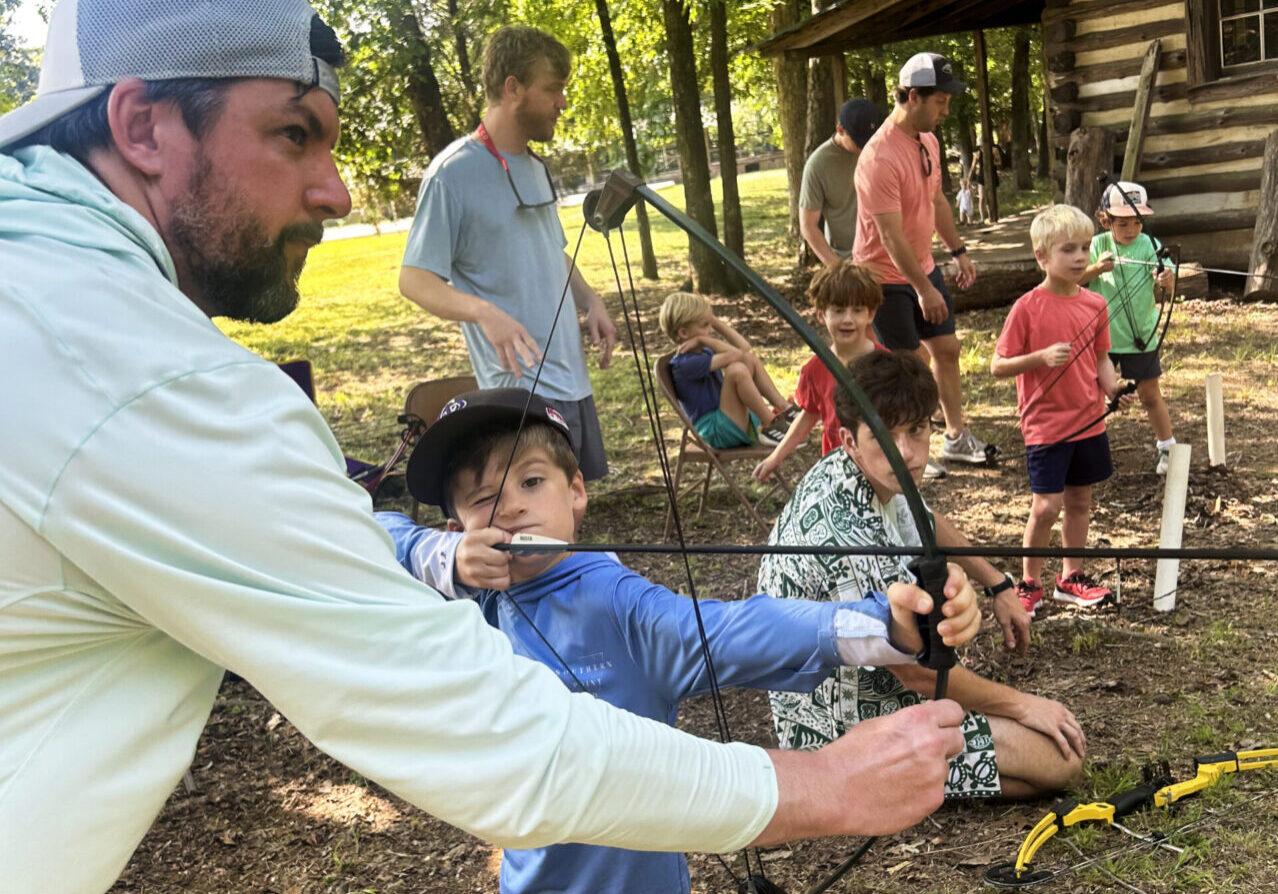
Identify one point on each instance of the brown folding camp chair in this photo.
(692, 449)
(421, 408)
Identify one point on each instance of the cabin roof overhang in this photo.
(854, 24)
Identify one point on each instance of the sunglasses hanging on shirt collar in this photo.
(925, 159)
(481, 134)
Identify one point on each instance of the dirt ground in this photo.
(269, 813)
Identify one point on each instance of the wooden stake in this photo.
(1140, 110)
(1215, 421)
(1177, 485)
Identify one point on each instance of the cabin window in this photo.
(1248, 32)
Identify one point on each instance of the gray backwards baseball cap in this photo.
(94, 44)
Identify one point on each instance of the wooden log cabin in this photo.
(1214, 91)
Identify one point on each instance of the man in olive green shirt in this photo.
(829, 188)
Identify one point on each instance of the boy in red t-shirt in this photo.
(1056, 342)
(845, 296)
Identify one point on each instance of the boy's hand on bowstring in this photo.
(1166, 280)
(480, 566)
(1057, 354)
(1105, 262)
(962, 613)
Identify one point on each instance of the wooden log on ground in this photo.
(1091, 153)
(1264, 244)
(1191, 281)
(998, 283)
(1140, 110)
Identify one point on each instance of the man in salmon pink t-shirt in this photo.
(900, 207)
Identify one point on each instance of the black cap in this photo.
(859, 119)
(464, 418)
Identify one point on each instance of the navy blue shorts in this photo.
(1054, 467)
(1137, 367)
(899, 321)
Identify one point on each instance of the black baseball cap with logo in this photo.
(467, 417)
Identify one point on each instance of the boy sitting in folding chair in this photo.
(606, 630)
(722, 385)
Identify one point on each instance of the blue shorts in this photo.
(721, 433)
(1054, 467)
(899, 321)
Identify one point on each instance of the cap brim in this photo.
(428, 463)
(952, 86)
(27, 119)
(1125, 210)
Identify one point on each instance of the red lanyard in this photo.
(481, 134)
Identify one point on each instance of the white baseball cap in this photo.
(931, 70)
(1114, 204)
(93, 44)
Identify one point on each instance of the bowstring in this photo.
(648, 388)
(514, 447)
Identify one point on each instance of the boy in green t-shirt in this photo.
(1130, 292)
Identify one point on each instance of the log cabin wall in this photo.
(1204, 141)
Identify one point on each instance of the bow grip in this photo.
(1128, 388)
(931, 572)
(1131, 801)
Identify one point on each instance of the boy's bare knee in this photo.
(737, 369)
(1047, 507)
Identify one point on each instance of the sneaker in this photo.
(1030, 592)
(771, 434)
(966, 448)
(933, 470)
(787, 417)
(1164, 457)
(1079, 589)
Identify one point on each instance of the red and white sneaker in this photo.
(1031, 594)
(1079, 589)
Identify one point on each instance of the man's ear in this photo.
(847, 438)
(511, 87)
(454, 526)
(139, 126)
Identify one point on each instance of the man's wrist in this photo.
(1002, 586)
(959, 251)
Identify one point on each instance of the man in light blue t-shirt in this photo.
(487, 249)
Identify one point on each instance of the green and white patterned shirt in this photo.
(834, 504)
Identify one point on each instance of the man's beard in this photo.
(232, 264)
(537, 128)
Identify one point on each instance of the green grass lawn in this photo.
(368, 345)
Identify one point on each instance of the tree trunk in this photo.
(1091, 152)
(733, 228)
(1044, 145)
(875, 81)
(792, 105)
(423, 87)
(708, 274)
(947, 184)
(1022, 129)
(987, 134)
(821, 109)
(1264, 247)
(627, 135)
(474, 97)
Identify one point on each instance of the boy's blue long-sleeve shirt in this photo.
(636, 645)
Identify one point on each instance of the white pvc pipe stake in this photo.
(1173, 526)
(1215, 421)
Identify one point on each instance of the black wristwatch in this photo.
(1005, 584)
(961, 250)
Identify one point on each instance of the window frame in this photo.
(1207, 78)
